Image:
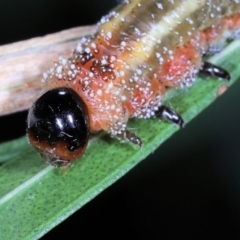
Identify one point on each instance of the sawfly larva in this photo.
(139, 50)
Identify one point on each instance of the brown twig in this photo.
(23, 63)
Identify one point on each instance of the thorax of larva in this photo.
(117, 70)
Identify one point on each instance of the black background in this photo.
(189, 188)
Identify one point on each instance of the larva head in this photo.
(58, 126)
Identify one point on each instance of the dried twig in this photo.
(23, 63)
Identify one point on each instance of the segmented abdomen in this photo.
(138, 50)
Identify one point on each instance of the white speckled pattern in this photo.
(139, 49)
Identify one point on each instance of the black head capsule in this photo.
(58, 126)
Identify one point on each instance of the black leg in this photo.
(167, 114)
(208, 69)
(131, 137)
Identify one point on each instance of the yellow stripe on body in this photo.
(163, 24)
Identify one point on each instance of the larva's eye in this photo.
(58, 126)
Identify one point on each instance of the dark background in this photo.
(189, 188)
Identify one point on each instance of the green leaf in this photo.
(35, 197)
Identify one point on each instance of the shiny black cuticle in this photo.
(59, 115)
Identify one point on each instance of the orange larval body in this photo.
(119, 77)
(139, 50)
